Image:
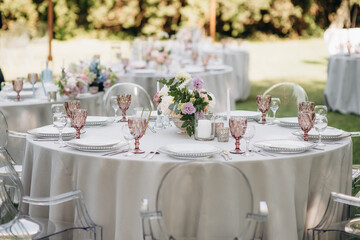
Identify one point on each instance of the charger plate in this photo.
(189, 151)
(285, 146)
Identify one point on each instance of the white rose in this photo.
(164, 91)
(183, 76)
(164, 105)
(71, 81)
(185, 84)
(212, 102)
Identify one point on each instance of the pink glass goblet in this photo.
(237, 129)
(124, 101)
(306, 122)
(205, 61)
(70, 106)
(79, 119)
(306, 106)
(18, 86)
(137, 127)
(194, 56)
(125, 62)
(33, 78)
(263, 103)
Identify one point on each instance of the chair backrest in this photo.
(290, 95)
(204, 200)
(139, 97)
(3, 131)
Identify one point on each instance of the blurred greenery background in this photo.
(129, 18)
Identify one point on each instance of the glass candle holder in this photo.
(52, 96)
(218, 125)
(223, 134)
(204, 126)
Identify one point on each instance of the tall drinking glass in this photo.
(137, 127)
(115, 106)
(263, 104)
(320, 125)
(237, 129)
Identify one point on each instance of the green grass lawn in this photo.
(315, 91)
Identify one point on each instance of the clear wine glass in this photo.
(321, 110)
(248, 135)
(58, 108)
(320, 125)
(115, 106)
(59, 121)
(127, 135)
(237, 129)
(274, 106)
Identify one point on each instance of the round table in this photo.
(342, 90)
(214, 81)
(32, 113)
(238, 59)
(296, 187)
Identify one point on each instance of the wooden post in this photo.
(50, 26)
(212, 19)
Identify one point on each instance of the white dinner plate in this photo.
(94, 149)
(327, 136)
(51, 131)
(144, 72)
(23, 94)
(190, 151)
(288, 122)
(216, 67)
(96, 120)
(251, 115)
(328, 133)
(96, 142)
(285, 146)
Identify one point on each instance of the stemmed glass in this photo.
(59, 121)
(167, 64)
(274, 106)
(263, 104)
(70, 106)
(205, 61)
(137, 127)
(58, 109)
(306, 106)
(248, 135)
(79, 119)
(18, 86)
(125, 62)
(194, 56)
(237, 129)
(306, 122)
(115, 106)
(127, 135)
(320, 125)
(33, 78)
(124, 101)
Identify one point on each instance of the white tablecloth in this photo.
(32, 113)
(238, 59)
(295, 186)
(342, 90)
(214, 81)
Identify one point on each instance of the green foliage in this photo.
(236, 18)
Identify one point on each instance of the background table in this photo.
(32, 113)
(214, 81)
(238, 59)
(342, 90)
(295, 186)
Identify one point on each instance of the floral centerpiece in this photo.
(105, 77)
(184, 96)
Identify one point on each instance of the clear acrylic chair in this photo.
(336, 222)
(15, 225)
(203, 200)
(139, 97)
(290, 95)
(4, 132)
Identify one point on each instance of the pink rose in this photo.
(156, 97)
(106, 84)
